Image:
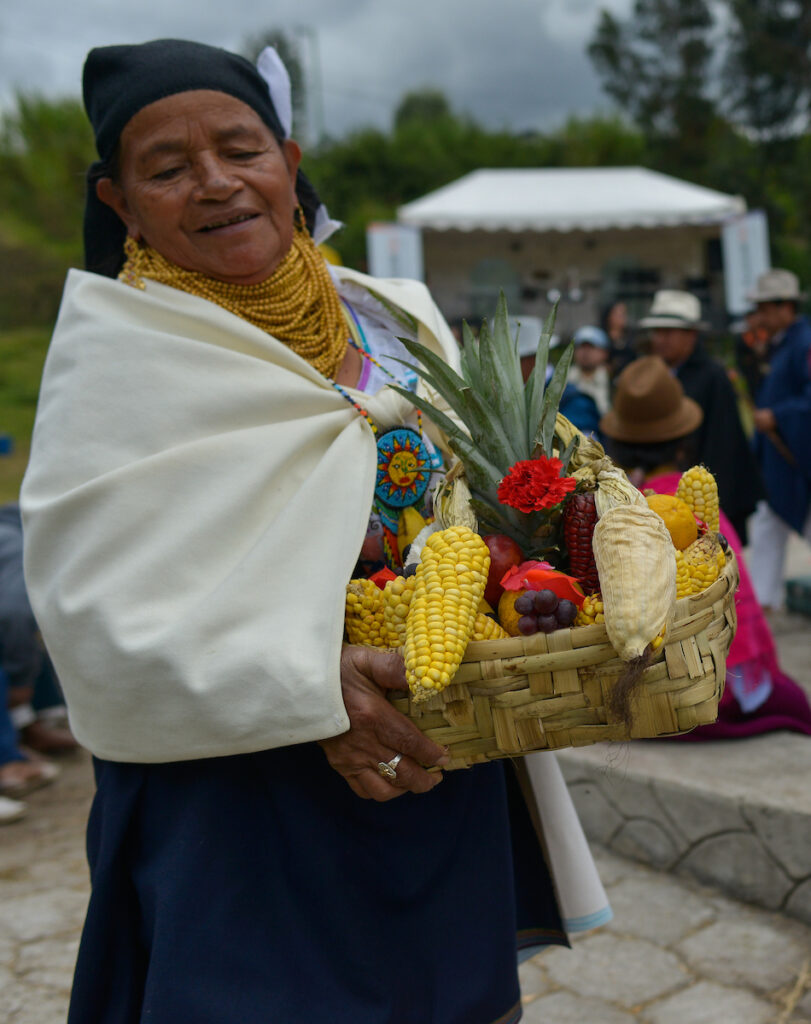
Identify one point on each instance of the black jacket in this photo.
(720, 443)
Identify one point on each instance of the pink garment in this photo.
(758, 697)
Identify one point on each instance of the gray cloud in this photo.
(519, 64)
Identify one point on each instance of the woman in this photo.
(614, 321)
(204, 463)
(649, 431)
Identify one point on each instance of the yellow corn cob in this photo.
(591, 611)
(397, 595)
(699, 565)
(375, 617)
(364, 614)
(698, 489)
(486, 628)
(450, 581)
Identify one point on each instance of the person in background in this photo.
(20, 772)
(614, 320)
(649, 431)
(753, 348)
(575, 404)
(22, 660)
(674, 322)
(37, 706)
(589, 369)
(782, 420)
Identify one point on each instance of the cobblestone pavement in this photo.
(676, 953)
(43, 895)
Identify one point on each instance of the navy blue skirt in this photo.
(258, 889)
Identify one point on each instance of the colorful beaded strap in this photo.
(357, 340)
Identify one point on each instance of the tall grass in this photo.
(22, 354)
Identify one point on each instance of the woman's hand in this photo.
(377, 732)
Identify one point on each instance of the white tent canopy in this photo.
(568, 199)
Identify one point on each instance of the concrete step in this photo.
(733, 814)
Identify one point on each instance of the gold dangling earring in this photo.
(300, 221)
(134, 263)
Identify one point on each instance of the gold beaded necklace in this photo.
(297, 304)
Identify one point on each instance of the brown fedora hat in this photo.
(650, 405)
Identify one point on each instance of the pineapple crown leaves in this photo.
(481, 473)
(536, 382)
(469, 357)
(486, 430)
(551, 401)
(500, 367)
(492, 367)
(505, 421)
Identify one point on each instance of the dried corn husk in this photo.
(615, 489)
(587, 451)
(452, 501)
(637, 569)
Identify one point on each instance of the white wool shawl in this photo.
(196, 498)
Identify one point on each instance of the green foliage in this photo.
(727, 112)
(767, 74)
(368, 174)
(656, 66)
(45, 149)
(23, 355)
(424, 106)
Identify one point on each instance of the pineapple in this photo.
(505, 421)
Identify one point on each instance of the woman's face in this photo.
(617, 320)
(206, 184)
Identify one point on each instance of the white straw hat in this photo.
(776, 285)
(674, 309)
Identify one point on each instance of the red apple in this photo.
(504, 554)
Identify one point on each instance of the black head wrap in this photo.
(119, 81)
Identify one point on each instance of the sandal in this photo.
(17, 778)
(10, 810)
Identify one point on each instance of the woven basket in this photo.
(543, 692)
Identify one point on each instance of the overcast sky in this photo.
(513, 63)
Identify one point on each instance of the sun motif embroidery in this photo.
(403, 468)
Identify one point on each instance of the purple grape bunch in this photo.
(542, 611)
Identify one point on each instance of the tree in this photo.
(656, 65)
(422, 106)
(45, 149)
(767, 73)
(368, 174)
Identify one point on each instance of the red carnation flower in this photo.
(534, 484)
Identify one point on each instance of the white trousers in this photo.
(766, 553)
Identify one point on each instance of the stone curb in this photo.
(691, 809)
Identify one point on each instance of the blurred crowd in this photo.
(753, 432)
